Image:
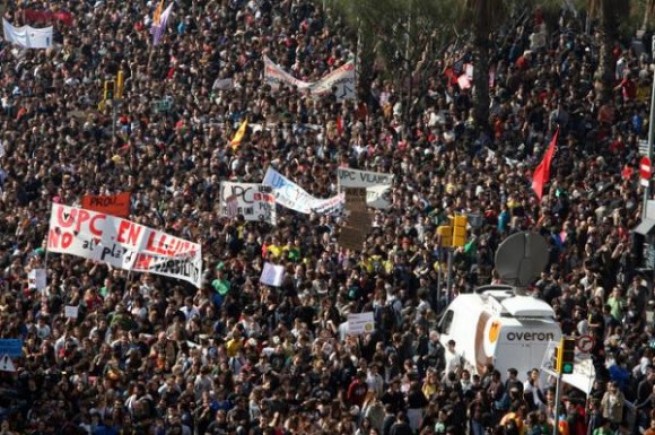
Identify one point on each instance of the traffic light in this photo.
(555, 359)
(565, 356)
(109, 90)
(445, 233)
(120, 83)
(459, 230)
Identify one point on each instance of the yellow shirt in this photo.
(274, 250)
(233, 347)
(643, 93)
(429, 389)
(512, 416)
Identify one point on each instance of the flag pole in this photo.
(127, 280)
(150, 54)
(47, 252)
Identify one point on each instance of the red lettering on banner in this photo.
(53, 238)
(82, 217)
(161, 246)
(133, 236)
(142, 261)
(58, 239)
(66, 240)
(122, 229)
(150, 245)
(65, 221)
(94, 227)
(164, 244)
(176, 246)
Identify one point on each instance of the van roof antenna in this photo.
(520, 259)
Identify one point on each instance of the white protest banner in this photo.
(272, 275)
(256, 202)
(377, 197)
(36, 279)
(122, 244)
(231, 207)
(355, 178)
(377, 185)
(361, 323)
(71, 311)
(27, 36)
(274, 75)
(342, 79)
(290, 195)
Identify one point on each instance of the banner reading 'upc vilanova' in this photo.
(123, 244)
(377, 185)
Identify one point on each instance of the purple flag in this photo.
(159, 25)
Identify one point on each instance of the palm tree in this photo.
(484, 17)
(399, 35)
(610, 14)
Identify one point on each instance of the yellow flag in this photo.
(238, 136)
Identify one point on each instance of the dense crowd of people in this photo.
(150, 355)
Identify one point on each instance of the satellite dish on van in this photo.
(521, 258)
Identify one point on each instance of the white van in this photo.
(494, 325)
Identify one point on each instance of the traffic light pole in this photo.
(113, 118)
(116, 86)
(564, 363)
(558, 393)
(449, 277)
(437, 297)
(450, 237)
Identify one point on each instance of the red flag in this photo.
(21, 112)
(37, 15)
(542, 172)
(627, 172)
(340, 125)
(63, 16)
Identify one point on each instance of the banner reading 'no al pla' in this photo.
(123, 244)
